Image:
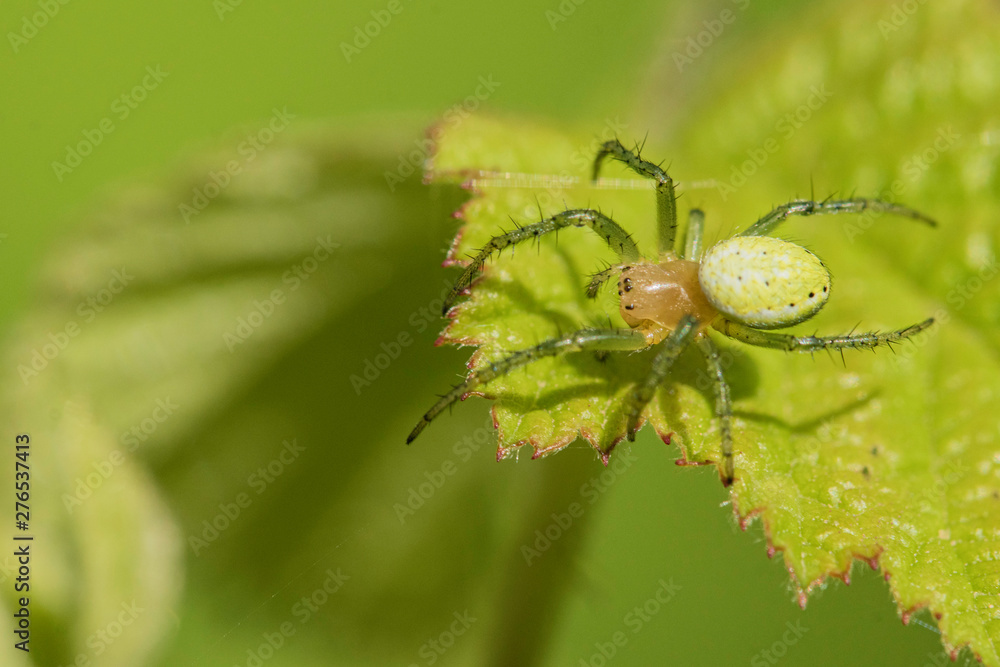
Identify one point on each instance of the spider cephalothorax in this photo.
(740, 287)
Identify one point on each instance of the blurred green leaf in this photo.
(168, 301)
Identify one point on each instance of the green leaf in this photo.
(895, 458)
(890, 458)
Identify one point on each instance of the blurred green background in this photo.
(121, 578)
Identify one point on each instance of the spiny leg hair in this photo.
(805, 207)
(666, 199)
(599, 279)
(790, 343)
(723, 405)
(667, 352)
(585, 339)
(617, 238)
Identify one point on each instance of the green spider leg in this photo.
(805, 207)
(585, 339)
(723, 405)
(693, 235)
(790, 343)
(667, 352)
(666, 199)
(617, 238)
(599, 279)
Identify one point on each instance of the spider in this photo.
(742, 287)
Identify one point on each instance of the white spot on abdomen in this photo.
(764, 282)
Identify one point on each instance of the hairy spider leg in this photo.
(723, 405)
(617, 238)
(585, 339)
(666, 199)
(693, 235)
(805, 207)
(599, 279)
(790, 343)
(667, 352)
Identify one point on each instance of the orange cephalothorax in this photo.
(654, 297)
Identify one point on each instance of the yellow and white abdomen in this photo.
(764, 282)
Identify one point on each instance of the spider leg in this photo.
(667, 352)
(585, 339)
(805, 207)
(693, 234)
(618, 239)
(666, 199)
(723, 404)
(791, 343)
(599, 279)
